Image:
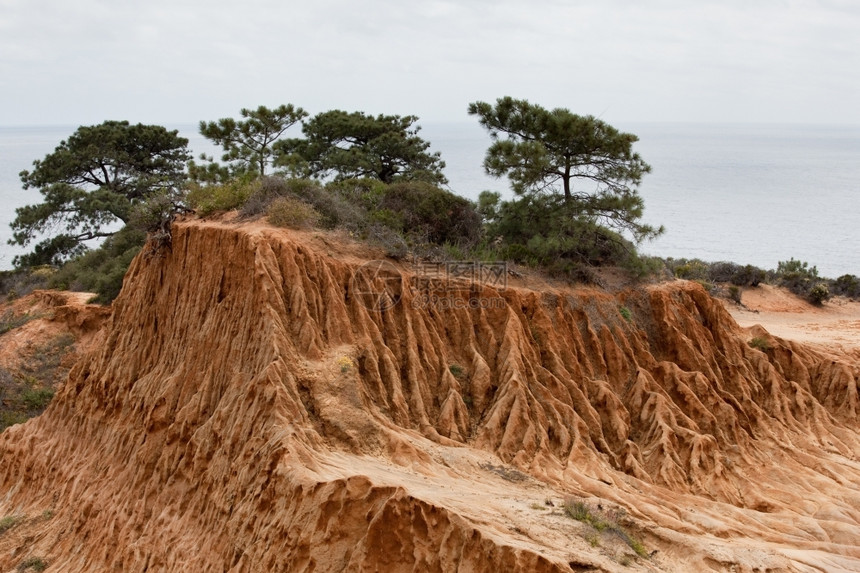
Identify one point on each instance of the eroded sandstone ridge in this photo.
(246, 411)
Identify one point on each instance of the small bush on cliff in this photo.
(735, 294)
(846, 285)
(719, 272)
(334, 209)
(34, 563)
(291, 212)
(346, 364)
(154, 216)
(802, 280)
(458, 371)
(748, 275)
(37, 399)
(11, 321)
(818, 293)
(102, 270)
(8, 419)
(547, 232)
(693, 269)
(402, 216)
(208, 199)
(603, 520)
(427, 211)
(27, 392)
(21, 282)
(9, 522)
(796, 276)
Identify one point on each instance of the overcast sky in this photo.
(180, 61)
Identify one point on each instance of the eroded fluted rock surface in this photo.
(248, 410)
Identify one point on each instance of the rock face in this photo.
(259, 403)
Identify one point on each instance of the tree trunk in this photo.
(566, 179)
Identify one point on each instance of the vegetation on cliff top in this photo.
(575, 179)
(91, 183)
(372, 175)
(796, 276)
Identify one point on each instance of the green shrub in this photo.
(291, 212)
(846, 285)
(21, 282)
(694, 269)
(735, 293)
(399, 217)
(388, 218)
(37, 399)
(643, 266)
(34, 563)
(546, 231)
(625, 313)
(431, 213)
(579, 511)
(603, 520)
(101, 270)
(365, 194)
(11, 321)
(719, 272)
(266, 190)
(748, 275)
(9, 522)
(458, 371)
(208, 199)
(792, 268)
(388, 239)
(722, 271)
(335, 209)
(8, 419)
(760, 343)
(708, 286)
(818, 293)
(796, 276)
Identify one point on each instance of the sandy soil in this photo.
(834, 325)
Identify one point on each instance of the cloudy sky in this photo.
(180, 61)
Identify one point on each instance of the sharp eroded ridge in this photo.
(199, 435)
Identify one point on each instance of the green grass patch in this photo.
(8, 419)
(760, 343)
(601, 521)
(458, 371)
(9, 522)
(11, 321)
(33, 563)
(291, 212)
(37, 399)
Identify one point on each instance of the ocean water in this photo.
(752, 194)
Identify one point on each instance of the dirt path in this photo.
(836, 322)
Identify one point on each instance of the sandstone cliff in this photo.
(250, 408)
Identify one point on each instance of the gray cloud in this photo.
(182, 61)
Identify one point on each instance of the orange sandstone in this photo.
(246, 411)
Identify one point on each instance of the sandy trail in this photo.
(834, 325)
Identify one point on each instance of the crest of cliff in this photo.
(265, 400)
